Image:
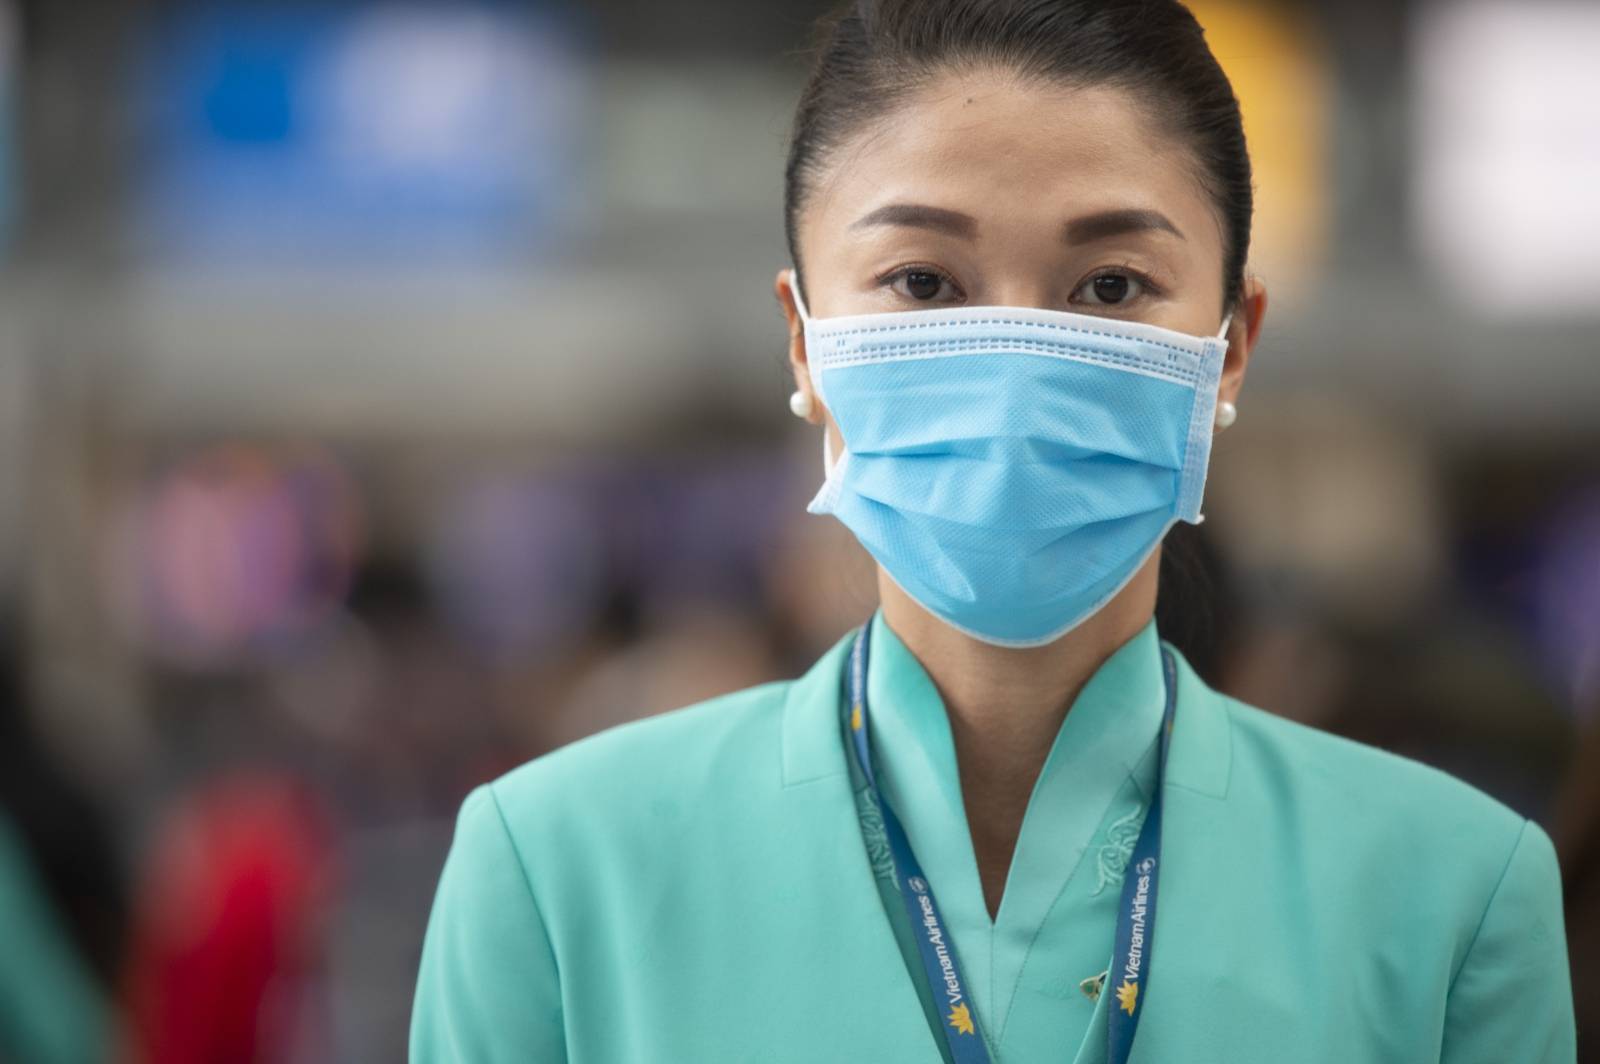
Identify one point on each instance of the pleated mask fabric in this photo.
(1011, 468)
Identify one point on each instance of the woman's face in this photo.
(985, 189)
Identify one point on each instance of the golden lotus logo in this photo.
(961, 1019)
(1128, 996)
(855, 718)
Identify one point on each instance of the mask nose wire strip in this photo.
(805, 319)
(805, 315)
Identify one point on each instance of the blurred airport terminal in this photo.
(391, 392)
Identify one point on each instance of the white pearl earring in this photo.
(1227, 414)
(800, 403)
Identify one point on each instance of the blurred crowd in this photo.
(390, 392)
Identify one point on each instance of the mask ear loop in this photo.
(829, 472)
(805, 323)
(1222, 334)
(799, 300)
(816, 382)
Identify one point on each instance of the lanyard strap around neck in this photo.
(1136, 913)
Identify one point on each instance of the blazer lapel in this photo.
(1199, 766)
(817, 791)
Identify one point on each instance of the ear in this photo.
(1243, 332)
(783, 289)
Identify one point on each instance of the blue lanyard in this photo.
(1136, 914)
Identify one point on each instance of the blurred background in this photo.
(391, 392)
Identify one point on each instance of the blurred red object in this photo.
(228, 928)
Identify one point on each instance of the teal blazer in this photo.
(695, 887)
(51, 1009)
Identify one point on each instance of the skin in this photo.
(1021, 160)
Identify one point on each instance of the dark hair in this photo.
(875, 52)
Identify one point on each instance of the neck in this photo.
(1006, 705)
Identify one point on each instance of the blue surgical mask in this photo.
(1011, 468)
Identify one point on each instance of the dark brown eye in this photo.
(1111, 288)
(922, 284)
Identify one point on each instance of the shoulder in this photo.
(1357, 780)
(661, 769)
(660, 750)
(692, 781)
(1325, 793)
(1383, 819)
(1420, 857)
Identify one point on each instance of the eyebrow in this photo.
(919, 216)
(1092, 227)
(1106, 224)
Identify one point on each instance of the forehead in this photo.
(1016, 153)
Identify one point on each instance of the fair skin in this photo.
(1031, 186)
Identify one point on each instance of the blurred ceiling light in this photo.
(1507, 142)
(1277, 63)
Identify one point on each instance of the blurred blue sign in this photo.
(296, 131)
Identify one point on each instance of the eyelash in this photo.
(1148, 286)
(887, 280)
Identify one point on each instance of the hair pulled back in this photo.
(874, 54)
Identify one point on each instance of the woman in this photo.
(1018, 310)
